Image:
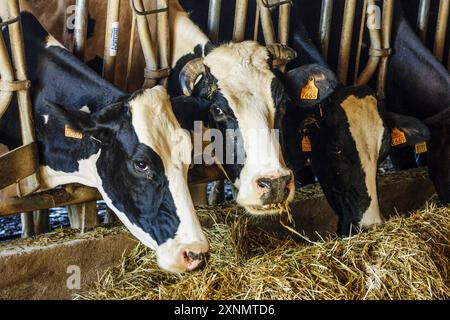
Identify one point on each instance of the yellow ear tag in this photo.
(70, 133)
(397, 137)
(421, 147)
(306, 144)
(310, 91)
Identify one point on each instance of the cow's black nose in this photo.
(274, 190)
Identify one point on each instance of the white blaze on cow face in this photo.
(245, 79)
(367, 130)
(156, 126)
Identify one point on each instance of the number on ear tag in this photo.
(421, 147)
(70, 133)
(397, 137)
(310, 91)
(306, 144)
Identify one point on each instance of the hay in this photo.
(406, 258)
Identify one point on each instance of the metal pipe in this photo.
(111, 40)
(388, 14)
(325, 26)
(6, 74)
(256, 25)
(266, 23)
(423, 19)
(146, 42)
(130, 52)
(283, 23)
(375, 42)
(240, 19)
(214, 19)
(163, 38)
(30, 184)
(360, 40)
(81, 23)
(441, 29)
(346, 40)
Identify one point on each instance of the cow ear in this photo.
(95, 125)
(310, 85)
(405, 130)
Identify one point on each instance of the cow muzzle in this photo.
(274, 192)
(178, 258)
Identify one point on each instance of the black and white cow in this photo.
(419, 85)
(243, 94)
(130, 148)
(348, 131)
(349, 134)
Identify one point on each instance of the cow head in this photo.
(141, 171)
(247, 99)
(349, 136)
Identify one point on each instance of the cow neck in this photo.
(76, 85)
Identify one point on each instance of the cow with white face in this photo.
(130, 148)
(246, 96)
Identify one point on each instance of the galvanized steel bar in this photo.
(81, 24)
(163, 38)
(362, 28)
(240, 19)
(111, 40)
(375, 42)
(388, 14)
(346, 40)
(30, 184)
(283, 23)
(6, 74)
(325, 25)
(441, 29)
(423, 19)
(146, 41)
(214, 19)
(266, 23)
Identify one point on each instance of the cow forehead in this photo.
(243, 77)
(156, 126)
(365, 125)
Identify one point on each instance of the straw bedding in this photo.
(406, 258)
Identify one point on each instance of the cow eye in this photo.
(218, 114)
(141, 166)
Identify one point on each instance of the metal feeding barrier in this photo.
(21, 166)
(423, 24)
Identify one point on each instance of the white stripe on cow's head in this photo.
(246, 96)
(140, 168)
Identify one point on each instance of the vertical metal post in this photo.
(325, 25)
(375, 45)
(360, 41)
(388, 14)
(441, 29)
(146, 42)
(214, 19)
(80, 33)
(6, 74)
(346, 40)
(256, 24)
(31, 183)
(283, 23)
(163, 38)
(240, 19)
(266, 23)
(423, 19)
(111, 40)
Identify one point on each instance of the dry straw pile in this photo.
(406, 258)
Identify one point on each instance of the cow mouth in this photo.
(268, 209)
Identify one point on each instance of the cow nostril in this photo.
(196, 256)
(264, 184)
